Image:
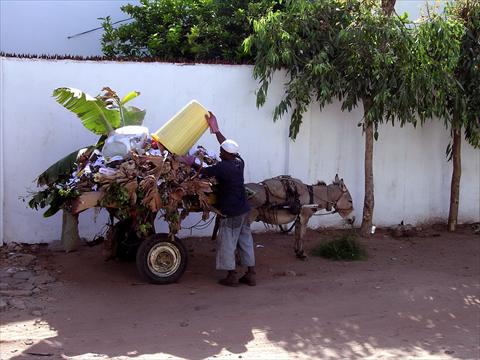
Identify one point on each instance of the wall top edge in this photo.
(101, 59)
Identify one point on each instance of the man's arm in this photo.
(206, 171)
(215, 170)
(220, 137)
(212, 123)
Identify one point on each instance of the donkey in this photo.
(283, 199)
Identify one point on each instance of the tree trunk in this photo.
(388, 7)
(70, 238)
(369, 201)
(456, 174)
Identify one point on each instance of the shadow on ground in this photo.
(413, 298)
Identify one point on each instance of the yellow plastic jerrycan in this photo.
(183, 130)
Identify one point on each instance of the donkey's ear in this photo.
(336, 179)
(342, 185)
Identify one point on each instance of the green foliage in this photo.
(103, 113)
(145, 229)
(378, 66)
(118, 195)
(62, 168)
(449, 56)
(39, 199)
(438, 51)
(336, 49)
(94, 115)
(100, 114)
(344, 248)
(467, 73)
(184, 29)
(57, 180)
(58, 197)
(54, 197)
(302, 40)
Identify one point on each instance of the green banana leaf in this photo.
(97, 115)
(91, 111)
(130, 96)
(63, 167)
(55, 203)
(133, 115)
(100, 115)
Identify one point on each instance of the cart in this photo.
(161, 258)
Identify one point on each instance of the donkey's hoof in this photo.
(301, 255)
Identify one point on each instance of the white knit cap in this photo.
(229, 146)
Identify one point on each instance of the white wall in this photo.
(42, 26)
(412, 177)
(417, 8)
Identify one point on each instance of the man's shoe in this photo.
(248, 278)
(230, 280)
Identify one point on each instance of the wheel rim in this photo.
(164, 259)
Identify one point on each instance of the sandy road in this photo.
(414, 298)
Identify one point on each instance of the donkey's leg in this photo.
(253, 216)
(300, 229)
(298, 239)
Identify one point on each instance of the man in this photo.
(234, 230)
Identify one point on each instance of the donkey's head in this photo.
(340, 197)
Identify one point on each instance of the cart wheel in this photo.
(161, 261)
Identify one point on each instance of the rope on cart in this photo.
(200, 227)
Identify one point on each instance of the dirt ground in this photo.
(413, 298)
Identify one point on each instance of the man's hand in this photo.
(212, 123)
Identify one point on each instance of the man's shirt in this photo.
(231, 197)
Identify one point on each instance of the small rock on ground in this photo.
(17, 303)
(3, 305)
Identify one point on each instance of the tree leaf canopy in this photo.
(336, 49)
(448, 49)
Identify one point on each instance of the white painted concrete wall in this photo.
(412, 177)
(42, 26)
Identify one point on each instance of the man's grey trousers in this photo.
(234, 232)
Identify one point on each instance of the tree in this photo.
(354, 51)
(174, 30)
(449, 58)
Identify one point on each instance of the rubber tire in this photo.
(153, 243)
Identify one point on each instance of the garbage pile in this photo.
(145, 182)
(154, 181)
(129, 171)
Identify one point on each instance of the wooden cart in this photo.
(160, 258)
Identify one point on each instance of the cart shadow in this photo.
(111, 314)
